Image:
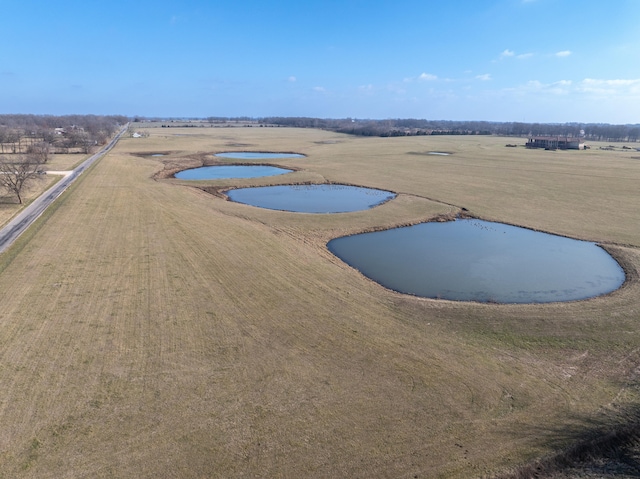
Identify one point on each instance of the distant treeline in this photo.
(80, 131)
(408, 127)
(22, 133)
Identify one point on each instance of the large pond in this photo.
(473, 260)
(230, 171)
(322, 198)
(257, 155)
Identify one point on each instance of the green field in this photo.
(149, 328)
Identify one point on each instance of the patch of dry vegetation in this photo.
(151, 329)
(9, 207)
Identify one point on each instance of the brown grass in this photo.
(150, 329)
(602, 451)
(9, 205)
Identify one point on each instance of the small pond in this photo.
(473, 260)
(219, 172)
(256, 155)
(311, 198)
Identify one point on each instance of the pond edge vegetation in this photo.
(630, 273)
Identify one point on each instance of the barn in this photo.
(556, 143)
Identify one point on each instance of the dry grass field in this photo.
(149, 328)
(9, 206)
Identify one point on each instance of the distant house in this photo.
(555, 143)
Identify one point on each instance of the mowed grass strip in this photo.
(150, 329)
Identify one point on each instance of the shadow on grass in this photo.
(7, 202)
(593, 448)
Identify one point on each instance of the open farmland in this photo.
(149, 328)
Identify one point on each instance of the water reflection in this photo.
(230, 171)
(311, 198)
(473, 260)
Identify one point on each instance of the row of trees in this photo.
(403, 127)
(27, 141)
(16, 141)
(22, 133)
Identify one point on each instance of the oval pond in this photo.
(230, 171)
(321, 198)
(256, 155)
(473, 260)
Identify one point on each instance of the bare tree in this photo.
(83, 140)
(15, 173)
(3, 138)
(15, 138)
(40, 151)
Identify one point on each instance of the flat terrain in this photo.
(149, 328)
(9, 204)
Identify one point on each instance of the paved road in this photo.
(26, 217)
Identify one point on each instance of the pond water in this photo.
(256, 155)
(441, 153)
(230, 171)
(473, 260)
(311, 198)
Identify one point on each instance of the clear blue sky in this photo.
(498, 60)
